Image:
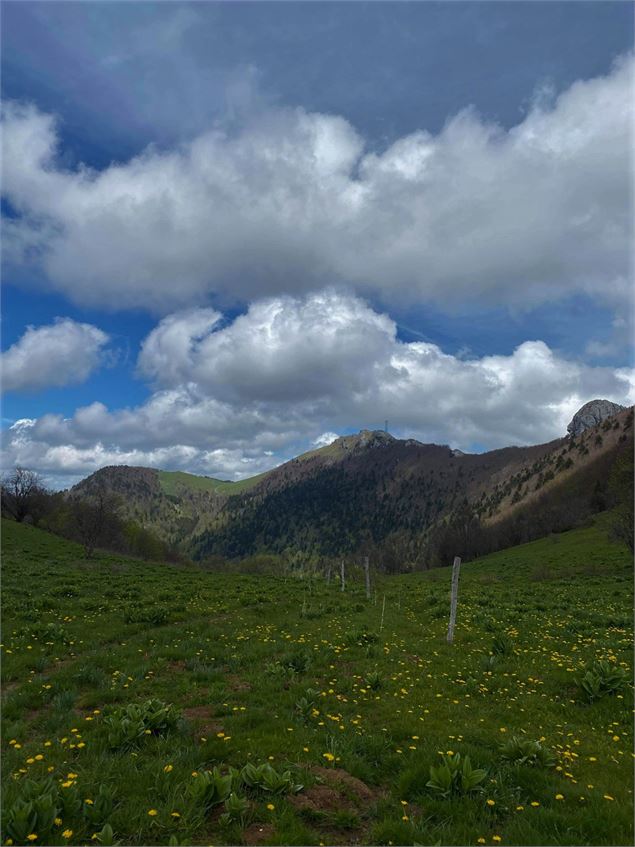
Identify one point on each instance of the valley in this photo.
(135, 695)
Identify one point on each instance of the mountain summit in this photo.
(592, 414)
(370, 488)
(364, 439)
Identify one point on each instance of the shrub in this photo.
(209, 788)
(90, 675)
(601, 679)
(98, 812)
(106, 836)
(502, 645)
(266, 778)
(236, 810)
(297, 662)
(155, 615)
(361, 637)
(374, 681)
(306, 704)
(522, 751)
(455, 776)
(39, 803)
(127, 726)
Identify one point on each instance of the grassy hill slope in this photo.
(173, 482)
(302, 676)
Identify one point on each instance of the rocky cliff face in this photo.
(591, 414)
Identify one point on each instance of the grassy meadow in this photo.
(156, 704)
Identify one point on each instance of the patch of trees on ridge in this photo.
(93, 520)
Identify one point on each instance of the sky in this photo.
(233, 231)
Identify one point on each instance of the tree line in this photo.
(606, 484)
(93, 520)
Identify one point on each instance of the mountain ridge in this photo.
(358, 490)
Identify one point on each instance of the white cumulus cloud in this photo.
(233, 398)
(62, 353)
(294, 201)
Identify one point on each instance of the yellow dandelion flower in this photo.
(152, 812)
(491, 802)
(67, 833)
(271, 807)
(559, 796)
(31, 837)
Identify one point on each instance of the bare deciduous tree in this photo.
(95, 521)
(22, 494)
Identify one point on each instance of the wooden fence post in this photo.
(383, 609)
(367, 571)
(456, 567)
(343, 576)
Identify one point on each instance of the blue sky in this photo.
(262, 224)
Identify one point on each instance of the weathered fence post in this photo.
(343, 576)
(328, 575)
(456, 567)
(383, 609)
(367, 572)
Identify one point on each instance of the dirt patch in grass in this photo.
(342, 781)
(203, 717)
(33, 714)
(336, 792)
(238, 684)
(258, 833)
(319, 798)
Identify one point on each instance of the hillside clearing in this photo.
(299, 675)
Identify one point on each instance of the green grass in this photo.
(172, 481)
(283, 670)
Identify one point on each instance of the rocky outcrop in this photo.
(364, 439)
(591, 414)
